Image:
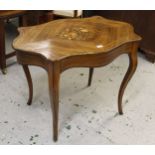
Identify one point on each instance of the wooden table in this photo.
(5, 15)
(62, 44)
(25, 18)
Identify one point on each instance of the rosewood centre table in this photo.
(86, 42)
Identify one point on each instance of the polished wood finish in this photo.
(54, 77)
(86, 42)
(45, 16)
(60, 39)
(131, 69)
(5, 15)
(143, 22)
(30, 84)
(26, 18)
(91, 71)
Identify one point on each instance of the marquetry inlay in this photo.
(76, 33)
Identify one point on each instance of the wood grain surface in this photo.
(59, 39)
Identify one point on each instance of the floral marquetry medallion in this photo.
(77, 33)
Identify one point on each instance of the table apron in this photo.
(95, 60)
(89, 60)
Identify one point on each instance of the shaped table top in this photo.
(59, 39)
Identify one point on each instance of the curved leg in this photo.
(54, 76)
(131, 69)
(91, 71)
(30, 84)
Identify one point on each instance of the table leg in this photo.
(131, 69)
(54, 76)
(30, 84)
(91, 71)
(2, 47)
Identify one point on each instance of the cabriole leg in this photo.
(30, 84)
(54, 76)
(131, 69)
(91, 71)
